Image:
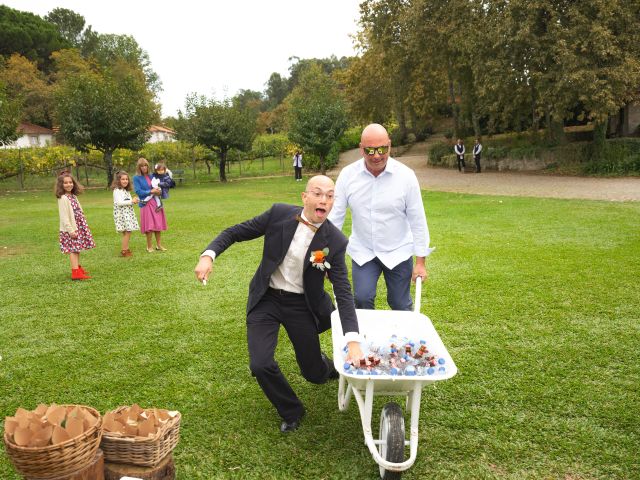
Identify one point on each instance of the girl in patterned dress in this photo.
(123, 214)
(75, 235)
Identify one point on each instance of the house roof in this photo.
(27, 128)
(159, 128)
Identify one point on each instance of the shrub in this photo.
(312, 162)
(350, 139)
(396, 137)
(272, 145)
(621, 156)
(437, 151)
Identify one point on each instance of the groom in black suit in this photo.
(300, 247)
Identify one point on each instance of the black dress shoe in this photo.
(286, 427)
(333, 373)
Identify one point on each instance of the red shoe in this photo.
(78, 274)
(82, 270)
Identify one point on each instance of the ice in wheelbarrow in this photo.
(397, 356)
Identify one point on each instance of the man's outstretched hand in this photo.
(203, 269)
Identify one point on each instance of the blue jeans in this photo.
(398, 281)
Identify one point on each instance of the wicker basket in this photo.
(145, 452)
(52, 461)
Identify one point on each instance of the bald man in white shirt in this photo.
(389, 225)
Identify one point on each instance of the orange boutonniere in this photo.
(318, 259)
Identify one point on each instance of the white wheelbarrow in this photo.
(377, 326)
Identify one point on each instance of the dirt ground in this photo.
(525, 184)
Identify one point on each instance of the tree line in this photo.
(495, 65)
(486, 66)
(101, 91)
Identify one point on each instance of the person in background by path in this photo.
(152, 220)
(75, 235)
(301, 248)
(123, 214)
(297, 166)
(389, 226)
(459, 150)
(477, 151)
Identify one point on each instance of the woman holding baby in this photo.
(152, 220)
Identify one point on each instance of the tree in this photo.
(69, 23)
(110, 48)
(384, 29)
(30, 36)
(29, 86)
(248, 99)
(105, 109)
(317, 113)
(69, 62)
(219, 126)
(9, 117)
(277, 90)
(273, 121)
(327, 65)
(366, 89)
(600, 53)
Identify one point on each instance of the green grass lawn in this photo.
(537, 301)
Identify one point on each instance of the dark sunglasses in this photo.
(372, 150)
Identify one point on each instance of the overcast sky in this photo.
(215, 47)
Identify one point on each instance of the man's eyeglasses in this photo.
(318, 194)
(372, 150)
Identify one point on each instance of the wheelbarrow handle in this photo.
(418, 294)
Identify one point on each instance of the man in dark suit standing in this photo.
(477, 152)
(300, 247)
(459, 150)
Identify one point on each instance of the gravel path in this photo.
(525, 184)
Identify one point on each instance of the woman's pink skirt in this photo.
(150, 220)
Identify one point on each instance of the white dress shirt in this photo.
(388, 219)
(288, 275)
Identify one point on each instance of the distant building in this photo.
(161, 134)
(31, 135)
(627, 122)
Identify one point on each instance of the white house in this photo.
(32, 136)
(161, 134)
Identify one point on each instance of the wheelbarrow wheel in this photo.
(391, 447)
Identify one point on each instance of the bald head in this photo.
(373, 137)
(318, 198)
(320, 181)
(374, 133)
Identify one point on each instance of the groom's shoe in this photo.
(333, 373)
(290, 426)
(286, 427)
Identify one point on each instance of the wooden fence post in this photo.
(20, 169)
(193, 162)
(86, 172)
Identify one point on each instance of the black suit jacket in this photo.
(278, 225)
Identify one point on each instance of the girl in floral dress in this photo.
(123, 214)
(75, 235)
